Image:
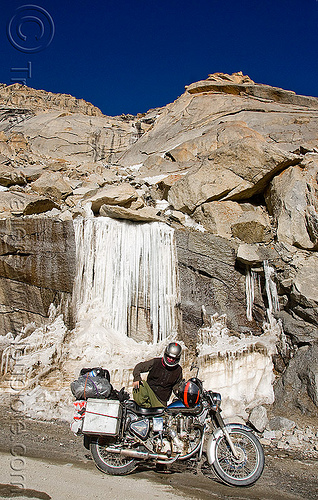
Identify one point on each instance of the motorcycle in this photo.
(121, 435)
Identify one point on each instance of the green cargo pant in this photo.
(144, 396)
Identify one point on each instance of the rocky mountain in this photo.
(232, 165)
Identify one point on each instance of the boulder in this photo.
(304, 292)
(38, 205)
(32, 172)
(165, 184)
(17, 203)
(292, 200)
(207, 183)
(52, 184)
(184, 152)
(12, 202)
(85, 191)
(301, 375)
(156, 166)
(58, 165)
(279, 423)
(10, 175)
(122, 195)
(228, 218)
(255, 254)
(299, 331)
(237, 170)
(145, 214)
(255, 161)
(137, 204)
(258, 418)
(252, 227)
(217, 217)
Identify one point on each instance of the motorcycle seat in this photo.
(146, 412)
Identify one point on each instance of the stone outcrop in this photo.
(10, 176)
(292, 198)
(236, 171)
(144, 214)
(299, 331)
(20, 203)
(232, 165)
(299, 381)
(244, 221)
(193, 122)
(19, 96)
(52, 184)
(37, 267)
(239, 84)
(208, 276)
(252, 227)
(122, 195)
(304, 291)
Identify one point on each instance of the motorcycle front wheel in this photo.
(244, 469)
(111, 463)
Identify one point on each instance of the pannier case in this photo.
(102, 417)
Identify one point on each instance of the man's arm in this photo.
(142, 367)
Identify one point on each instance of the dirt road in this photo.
(57, 466)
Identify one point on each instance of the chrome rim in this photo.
(245, 464)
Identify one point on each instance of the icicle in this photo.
(271, 291)
(249, 291)
(119, 264)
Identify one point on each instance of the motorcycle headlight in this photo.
(215, 400)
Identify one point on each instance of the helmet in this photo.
(198, 382)
(172, 354)
(190, 394)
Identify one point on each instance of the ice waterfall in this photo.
(238, 366)
(127, 274)
(126, 297)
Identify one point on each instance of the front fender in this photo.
(210, 447)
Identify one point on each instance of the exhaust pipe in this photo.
(141, 455)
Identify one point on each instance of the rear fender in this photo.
(210, 450)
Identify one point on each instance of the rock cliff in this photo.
(231, 165)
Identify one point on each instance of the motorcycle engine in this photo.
(171, 435)
(180, 436)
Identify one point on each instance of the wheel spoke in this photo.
(242, 466)
(112, 459)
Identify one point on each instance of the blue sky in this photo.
(129, 56)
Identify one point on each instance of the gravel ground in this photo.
(286, 476)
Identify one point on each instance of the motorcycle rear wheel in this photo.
(245, 469)
(111, 463)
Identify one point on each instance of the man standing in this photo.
(164, 374)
